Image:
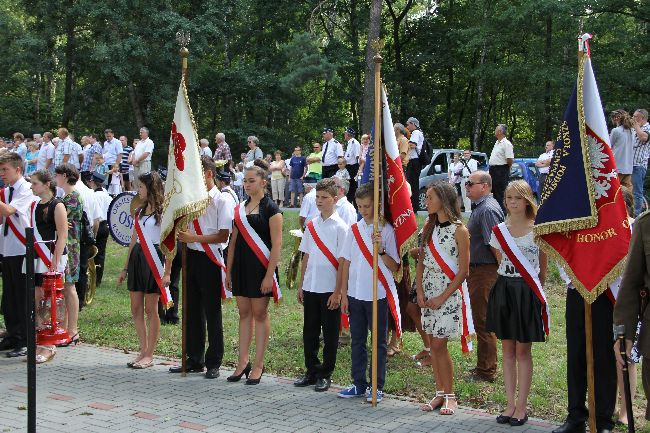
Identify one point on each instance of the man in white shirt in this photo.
(352, 154)
(76, 153)
(15, 212)
(543, 164)
(308, 209)
(470, 165)
(222, 181)
(205, 147)
(19, 145)
(63, 149)
(344, 208)
(332, 149)
(46, 154)
(112, 153)
(501, 160)
(103, 201)
(413, 168)
(205, 283)
(142, 156)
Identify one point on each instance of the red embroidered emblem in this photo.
(179, 147)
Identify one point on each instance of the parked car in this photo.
(524, 168)
(439, 167)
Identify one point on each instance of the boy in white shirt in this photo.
(319, 292)
(356, 291)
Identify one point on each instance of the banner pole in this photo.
(375, 245)
(591, 398)
(31, 330)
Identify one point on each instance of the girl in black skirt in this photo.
(514, 311)
(248, 279)
(142, 285)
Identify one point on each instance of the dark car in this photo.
(524, 168)
(439, 166)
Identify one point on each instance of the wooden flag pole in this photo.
(591, 398)
(375, 245)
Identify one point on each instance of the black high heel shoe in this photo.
(237, 377)
(254, 381)
(74, 340)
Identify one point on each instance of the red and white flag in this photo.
(186, 196)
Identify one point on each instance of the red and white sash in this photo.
(40, 247)
(10, 222)
(215, 255)
(450, 269)
(256, 244)
(154, 262)
(384, 275)
(345, 320)
(524, 267)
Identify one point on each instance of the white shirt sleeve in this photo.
(508, 151)
(345, 251)
(305, 242)
(390, 243)
(225, 213)
(339, 149)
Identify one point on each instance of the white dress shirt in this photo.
(89, 202)
(112, 149)
(230, 196)
(352, 152)
(473, 166)
(75, 151)
(218, 216)
(545, 157)
(143, 147)
(46, 152)
(308, 209)
(418, 139)
(360, 275)
(206, 151)
(103, 201)
(346, 211)
(320, 275)
(331, 151)
(501, 152)
(21, 200)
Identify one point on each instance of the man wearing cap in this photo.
(308, 209)
(352, 153)
(332, 149)
(500, 162)
(413, 168)
(103, 201)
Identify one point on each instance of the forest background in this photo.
(282, 70)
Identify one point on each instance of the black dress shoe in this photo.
(571, 427)
(188, 369)
(20, 351)
(212, 373)
(603, 430)
(322, 385)
(305, 381)
(6, 344)
(516, 422)
(503, 419)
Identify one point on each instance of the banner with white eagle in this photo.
(186, 196)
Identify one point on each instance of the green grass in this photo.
(107, 322)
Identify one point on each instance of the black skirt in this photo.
(140, 278)
(514, 312)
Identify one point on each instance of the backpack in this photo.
(425, 153)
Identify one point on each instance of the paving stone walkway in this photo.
(89, 389)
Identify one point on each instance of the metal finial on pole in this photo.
(183, 39)
(377, 46)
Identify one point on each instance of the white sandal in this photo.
(445, 409)
(42, 359)
(429, 407)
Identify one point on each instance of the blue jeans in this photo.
(360, 322)
(638, 177)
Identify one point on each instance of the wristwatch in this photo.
(382, 252)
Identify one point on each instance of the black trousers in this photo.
(100, 243)
(329, 171)
(171, 315)
(14, 300)
(82, 284)
(604, 362)
(500, 175)
(413, 169)
(203, 310)
(316, 317)
(352, 169)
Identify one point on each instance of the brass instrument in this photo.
(295, 261)
(92, 276)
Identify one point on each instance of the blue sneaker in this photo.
(351, 392)
(380, 395)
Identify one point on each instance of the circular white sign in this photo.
(120, 221)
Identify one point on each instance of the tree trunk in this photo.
(369, 86)
(69, 64)
(548, 123)
(478, 117)
(135, 105)
(355, 103)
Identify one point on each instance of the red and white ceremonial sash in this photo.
(154, 262)
(450, 269)
(215, 255)
(345, 320)
(382, 271)
(523, 266)
(257, 245)
(43, 252)
(10, 222)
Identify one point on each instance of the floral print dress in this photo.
(444, 322)
(74, 208)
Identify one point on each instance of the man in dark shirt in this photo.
(482, 268)
(298, 165)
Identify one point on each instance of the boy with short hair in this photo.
(356, 291)
(342, 172)
(319, 291)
